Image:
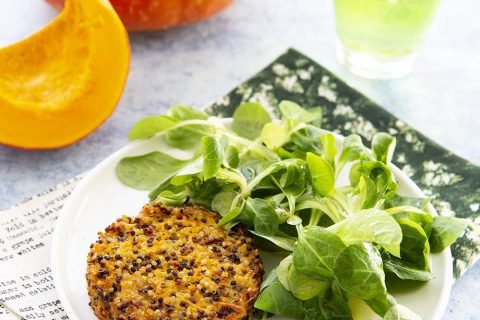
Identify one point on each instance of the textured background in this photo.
(197, 64)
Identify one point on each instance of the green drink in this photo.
(379, 38)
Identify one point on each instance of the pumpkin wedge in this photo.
(61, 83)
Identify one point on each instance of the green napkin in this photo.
(452, 182)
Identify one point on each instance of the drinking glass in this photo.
(379, 39)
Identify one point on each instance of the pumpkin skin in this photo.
(61, 83)
(149, 15)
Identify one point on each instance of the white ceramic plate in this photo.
(100, 198)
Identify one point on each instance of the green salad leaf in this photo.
(445, 230)
(330, 305)
(329, 149)
(283, 271)
(274, 135)
(405, 270)
(212, 156)
(276, 299)
(292, 112)
(303, 139)
(302, 286)
(323, 177)
(403, 201)
(359, 271)
(383, 146)
(270, 278)
(381, 303)
(147, 171)
(182, 112)
(281, 240)
(414, 248)
(370, 226)
(222, 201)
(265, 219)
(316, 251)
(187, 136)
(249, 119)
(150, 126)
(353, 149)
(423, 219)
(380, 177)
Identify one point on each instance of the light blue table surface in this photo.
(198, 64)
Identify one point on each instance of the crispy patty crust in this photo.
(173, 263)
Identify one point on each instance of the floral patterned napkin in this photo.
(451, 182)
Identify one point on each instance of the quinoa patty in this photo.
(173, 263)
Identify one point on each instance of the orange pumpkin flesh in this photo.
(61, 83)
(138, 15)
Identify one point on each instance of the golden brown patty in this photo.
(173, 263)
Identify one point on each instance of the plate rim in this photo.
(55, 259)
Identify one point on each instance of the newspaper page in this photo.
(27, 290)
